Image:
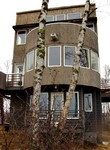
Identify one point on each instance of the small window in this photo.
(74, 107)
(49, 18)
(88, 102)
(54, 56)
(94, 61)
(90, 26)
(21, 37)
(60, 17)
(30, 61)
(84, 62)
(73, 15)
(69, 52)
(43, 105)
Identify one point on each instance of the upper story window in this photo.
(94, 61)
(21, 37)
(88, 102)
(84, 62)
(74, 16)
(74, 107)
(54, 56)
(49, 18)
(69, 52)
(90, 26)
(60, 17)
(30, 61)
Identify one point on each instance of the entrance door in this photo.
(18, 73)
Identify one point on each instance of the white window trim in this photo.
(91, 102)
(28, 70)
(17, 38)
(48, 57)
(47, 104)
(74, 13)
(97, 61)
(64, 55)
(88, 53)
(78, 107)
(60, 15)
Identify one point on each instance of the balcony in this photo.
(14, 81)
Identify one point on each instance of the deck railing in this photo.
(14, 80)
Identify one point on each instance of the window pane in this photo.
(74, 107)
(21, 37)
(73, 15)
(30, 61)
(69, 55)
(60, 17)
(54, 56)
(43, 105)
(49, 18)
(90, 26)
(84, 62)
(57, 101)
(94, 61)
(88, 102)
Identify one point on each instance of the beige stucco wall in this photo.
(29, 17)
(67, 35)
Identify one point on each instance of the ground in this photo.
(106, 141)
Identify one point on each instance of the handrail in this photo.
(14, 80)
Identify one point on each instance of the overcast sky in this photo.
(8, 9)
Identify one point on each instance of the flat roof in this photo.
(54, 8)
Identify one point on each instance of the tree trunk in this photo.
(75, 69)
(38, 74)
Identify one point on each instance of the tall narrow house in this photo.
(62, 30)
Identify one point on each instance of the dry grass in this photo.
(17, 141)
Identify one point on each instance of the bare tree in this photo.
(75, 68)
(106, 79)
(38, 73)
(7, 65)
(40, 67)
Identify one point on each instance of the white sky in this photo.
(8, 11)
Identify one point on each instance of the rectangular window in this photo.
(43, 105)
(90, 26)
(60, 17)
(88, 102)
(74, 107)
(54, 56)
(84, 62)
(57, 101)
(30, 61)
(94, 61)
(21, 37)
(74, 16)
(49, 18)
(69, 52)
